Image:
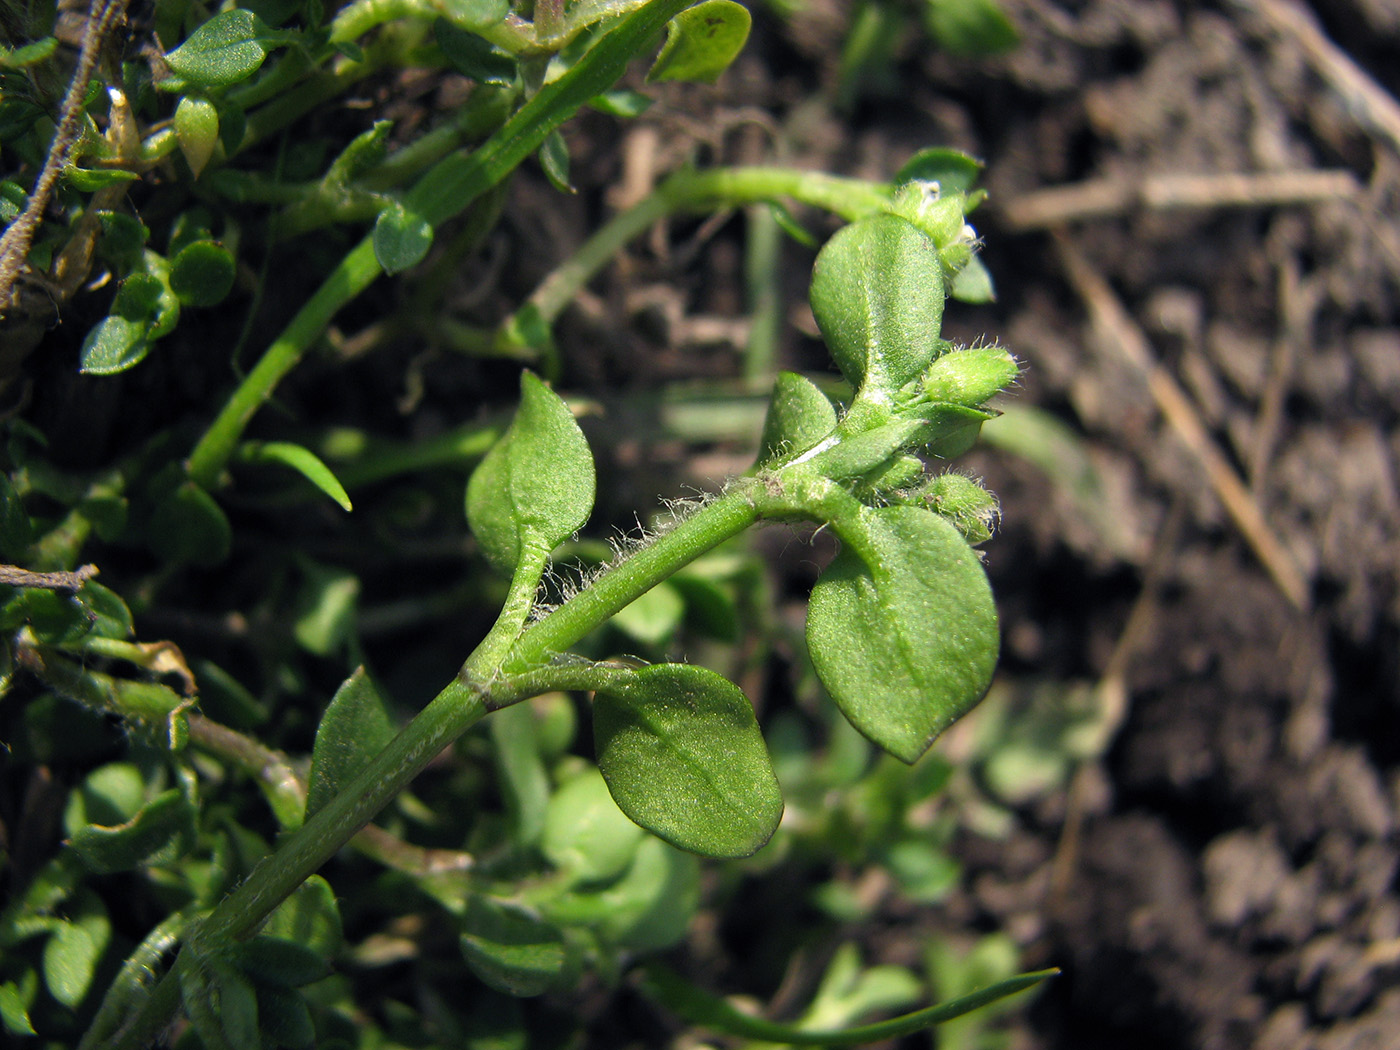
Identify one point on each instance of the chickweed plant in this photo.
(163, 828)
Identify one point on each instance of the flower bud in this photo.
(964, 503)
(970, 376)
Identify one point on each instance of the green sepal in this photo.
(537, 483)
(683, 757)
(799, 416)
(701, 42)
(354, 729)
(902, 629)
(877, 294)
(953, 170)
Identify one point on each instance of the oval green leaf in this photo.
(683, 757)
(799, 415)
(72, 953)
(537, 483)
(224, 50)
(401, 238)
(701, 42)
(197, 131)
(877, 293)
(902, 628)
(161, 832)
(113, 345)
(310, 917)
(188, 528)
(585, 834)
(512, 950)
(355, 728)
(202, 274)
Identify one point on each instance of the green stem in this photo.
(687, 191)
(301, 853)
(354, 274)
(707, 528)
(449, 188)
(524, 585)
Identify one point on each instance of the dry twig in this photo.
(1097, 198)
(1370, 103)
(103, 16)
(1122, 334)
(72, 582)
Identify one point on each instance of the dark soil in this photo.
(1223, 874)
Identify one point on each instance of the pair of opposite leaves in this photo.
(901, 626)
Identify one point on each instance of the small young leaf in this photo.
(28, 54)
(623, 104)
(275, 960)
(325, 616)
(799, 415)
(14, 1013)
(970, 27)
(585, 834)
(536, 485)
(512, 950)
(71, 954)
(224, 50)
(701, 42)
(188, 528)
(113, 345)
(554, 159)
(202, 274)
(953, 170)
(90, 180)
(401, 238)
(902, 628)
(355, 727)
(683, 756)
(476, 14)
(970, 376)
(473, 56)
(877, 293)
(654, 617)
(197, 131)
(973, 283)
(284, 1018)
(302, 460)
(524, 780)
(162, 831)
(647, 910)
(310, 917)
